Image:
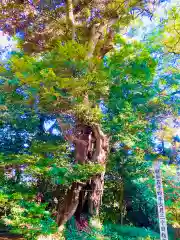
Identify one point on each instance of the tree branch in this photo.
(97, 31)
(70, 17)
(108, 44)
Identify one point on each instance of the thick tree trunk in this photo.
(95, 196)
(67, 210)
(91, 145)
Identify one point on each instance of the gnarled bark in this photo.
(91, 145)
(69, 207)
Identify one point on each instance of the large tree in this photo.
(69, 78)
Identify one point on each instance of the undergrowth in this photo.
(110, 231)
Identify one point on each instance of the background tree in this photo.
(172, 31)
